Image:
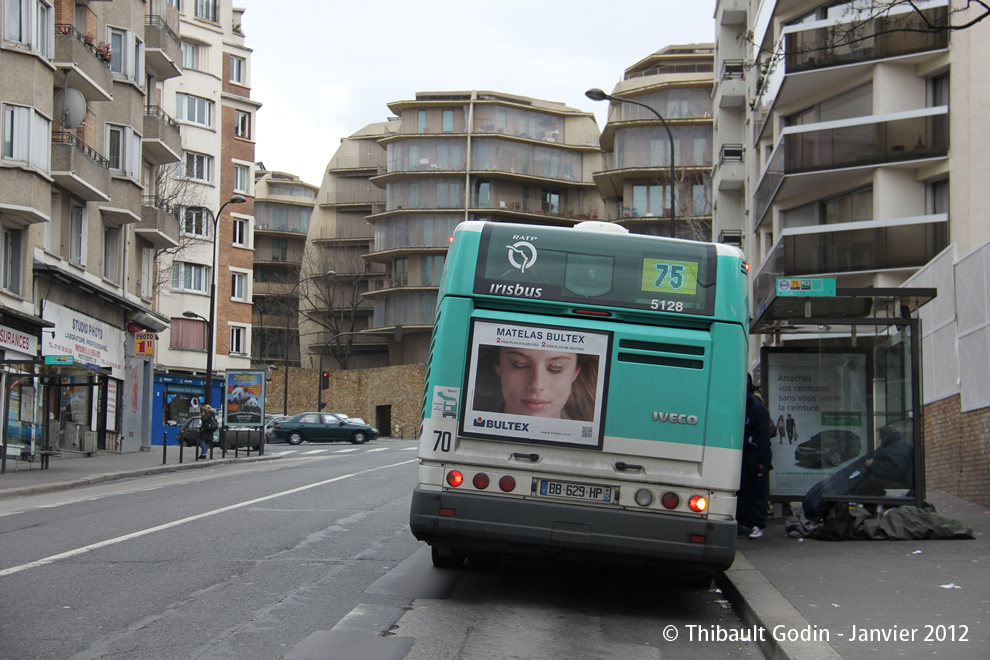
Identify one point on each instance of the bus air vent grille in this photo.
(661, 360)
(662, 348)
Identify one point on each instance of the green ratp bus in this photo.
(584, 397)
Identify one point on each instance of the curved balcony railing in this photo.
(64, 137)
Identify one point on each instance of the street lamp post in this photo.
(236, 199)
(596, 94)
(285, 392)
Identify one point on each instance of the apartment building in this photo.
(335, 327)
(83, 136)
(212, 188)
(855, 131)
(636, 182)
(283, 206)
(456, 156)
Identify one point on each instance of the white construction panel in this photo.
(940, 362)
(974, 372)
(971, 292)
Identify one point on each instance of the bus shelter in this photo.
(841, 375)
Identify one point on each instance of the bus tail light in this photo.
(507, 483)
(455, 478)
(670, 500)
(698, 503)
(644, 497)
(481, 481)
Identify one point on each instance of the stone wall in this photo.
(957, 450)
(357, 393)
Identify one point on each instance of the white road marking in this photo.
(413, 448)
(176, 523)
(314, 451)
(346, 451)
(377, 449)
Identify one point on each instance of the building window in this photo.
(194, 110)
(27, 136)
(238, 284)
(127, 55)
(237, 69)
(194, 223)
(938, 192)
(241, 177)
(111, 240)
(207, 9)
(240, 233)
(237, 342)
(851, 207)
(78, 226)
(123, 149)
(421, 122)
(192, 56)
(242, 124)
(29, 23)
(10, 268)
(649, 201)
(448, 121)
(401, 270)
(145, 285)
(188, 334)
(190, 277)
(198, 167)
(432, 269)
(280, 249)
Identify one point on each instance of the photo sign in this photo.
(536, 384)
(244, 398)
(822, 408)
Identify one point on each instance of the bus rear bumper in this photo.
(487, 524)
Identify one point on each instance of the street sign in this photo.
(144, 344)
(808, 286)
(58, 359)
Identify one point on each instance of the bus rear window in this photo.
(596, 268)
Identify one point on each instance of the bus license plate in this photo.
(593, 492)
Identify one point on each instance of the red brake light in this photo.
(670, 500)
(507, 483)
(698, 503)
(481, 481)
(455, 478)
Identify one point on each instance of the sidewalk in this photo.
(784, 587)
(892, 590)
(63, 472)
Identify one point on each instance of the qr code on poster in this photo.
(585, 431)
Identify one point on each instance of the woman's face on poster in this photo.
(536, 382)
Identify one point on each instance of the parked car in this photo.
(828, 448)
(322, 427)
(270, 426)
(189, 432)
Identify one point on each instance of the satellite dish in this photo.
(70, 107)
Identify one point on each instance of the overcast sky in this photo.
(323, 69)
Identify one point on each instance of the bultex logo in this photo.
(498, 424)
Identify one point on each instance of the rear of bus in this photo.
(643, 461)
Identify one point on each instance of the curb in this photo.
(116, 476)
(758, 603)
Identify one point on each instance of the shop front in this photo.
(21, 433)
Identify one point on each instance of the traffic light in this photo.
(325, 380)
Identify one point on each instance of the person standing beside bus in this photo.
(753, 497)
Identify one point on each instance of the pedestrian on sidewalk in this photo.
(206, 429)
(752, 500)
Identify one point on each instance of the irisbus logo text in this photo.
(674, 418)
(481, 422)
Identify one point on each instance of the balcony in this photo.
(25, 196)
(161, 142)
(125, 205)
(408, 308)
(159, 223)
(731, 171)
(731, 89)
(898, 139)
(75, 54)
(853, 247)
(79, 168)
(163, 48)
(518, 206)
(732, 12)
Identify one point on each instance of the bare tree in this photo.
(173, 193)
(335, 304)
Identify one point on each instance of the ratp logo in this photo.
(522, 250)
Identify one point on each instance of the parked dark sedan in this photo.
(189, 433)
(322, 427)
(828, 448)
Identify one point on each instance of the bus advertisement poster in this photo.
(245, 396)
(536, 383)
(822, 408)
